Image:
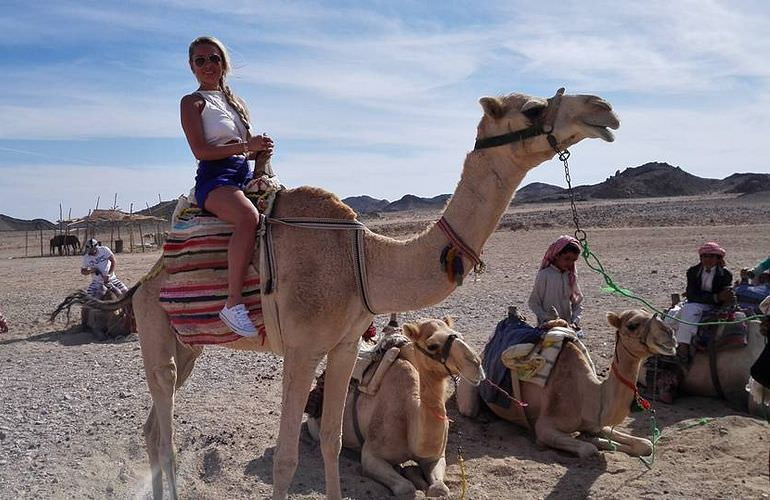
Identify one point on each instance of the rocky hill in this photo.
(651, 180)
(10, 224)
(366, 204)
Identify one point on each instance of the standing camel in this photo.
(406, 418)
(321, 312)
(575, 400)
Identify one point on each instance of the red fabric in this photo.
(711, 248)
(370, 332)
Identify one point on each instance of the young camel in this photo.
(321, 310)
(575, 400)
(406, 418)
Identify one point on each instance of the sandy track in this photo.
(71, 409)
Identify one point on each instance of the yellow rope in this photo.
(463, 477)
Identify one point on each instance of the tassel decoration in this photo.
(442, 259)
(458, 269)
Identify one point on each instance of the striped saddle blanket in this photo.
(533, 362)
(195, 257)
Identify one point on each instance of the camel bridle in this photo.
(541, 126)
(442, 356)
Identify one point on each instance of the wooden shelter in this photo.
(151, 229)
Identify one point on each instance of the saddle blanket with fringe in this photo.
(534, 362)
(195, 257)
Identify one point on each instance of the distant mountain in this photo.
(654, 179)
(10, 224)
(746, 183)
(365, 204)
(539, 191)
(651, 180)
(412, 202)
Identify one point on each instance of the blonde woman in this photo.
(216, 124)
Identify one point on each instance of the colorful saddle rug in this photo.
(727, 336)
(195, 257)
(534, 362)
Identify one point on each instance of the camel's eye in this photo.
(633, 326)
(433, 347)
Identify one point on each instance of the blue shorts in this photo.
(231, 171)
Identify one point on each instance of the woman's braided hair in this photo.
(232, 99)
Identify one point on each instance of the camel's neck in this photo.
(616, 395)
(486, 187)
(429, 430)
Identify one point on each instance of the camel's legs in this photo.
(609, 439)
(159, 352)
(434, 471)
(151, 439)
(339, 367)
(298, 372)
(377, 468)
(549, 435)
(185, 361)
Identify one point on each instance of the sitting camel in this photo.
(103, 324)
(575, 400)
(321, 311)
(732, 370)
(405, 419)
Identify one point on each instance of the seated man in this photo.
(709, 284)
(3, 324)
(99, 261)
(758, 274)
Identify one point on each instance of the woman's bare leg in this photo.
(231, 205)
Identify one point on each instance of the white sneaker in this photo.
(237, 318)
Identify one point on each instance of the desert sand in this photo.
(72, 408)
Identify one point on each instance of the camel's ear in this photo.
(493, 107)
(411, 330)
(449, 320)
(613, 319)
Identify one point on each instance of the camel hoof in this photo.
(404, 489)
(644, 449)
(437, 489)
(313, 426)
(587, 451)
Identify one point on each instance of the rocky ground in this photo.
(71, 408)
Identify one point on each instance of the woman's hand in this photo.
(260, 143)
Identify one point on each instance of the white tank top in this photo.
(221, 123)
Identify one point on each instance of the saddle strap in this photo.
(516, 387)
(712, 350)
(356, 425)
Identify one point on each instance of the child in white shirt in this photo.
(556, 292)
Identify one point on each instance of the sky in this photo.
(377, 97)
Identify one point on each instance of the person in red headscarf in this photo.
(556, 293)
(709, 284)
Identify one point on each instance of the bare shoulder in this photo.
(194, 99)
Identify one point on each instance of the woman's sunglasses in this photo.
(200, 60)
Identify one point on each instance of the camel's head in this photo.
(643, 333)
(577, 117)
(445, 348)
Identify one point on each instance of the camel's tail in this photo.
(82, 298)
